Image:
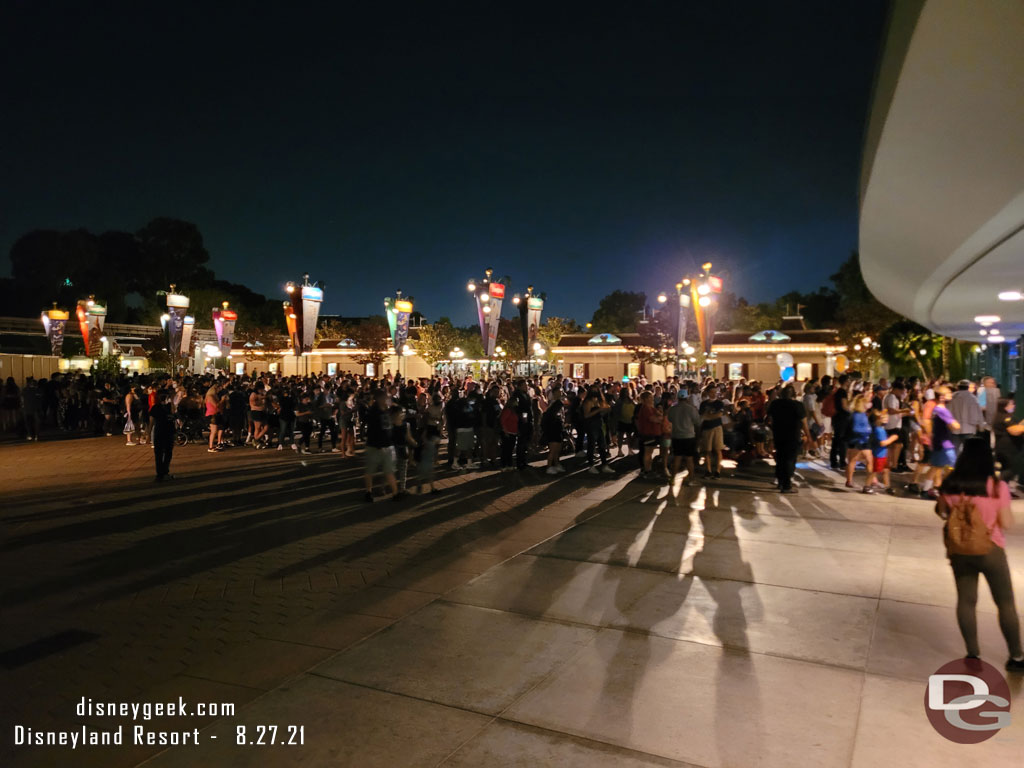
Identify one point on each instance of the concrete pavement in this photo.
(553, 621)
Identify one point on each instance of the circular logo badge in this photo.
(967, 701)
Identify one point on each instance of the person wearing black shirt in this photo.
(451, 410)
(788, 421)
(161, 416)
(286, 417)
(304, 421)
(840, 425)
(380, 448)
(523, 404)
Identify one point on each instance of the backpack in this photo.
(828, 405)
(965, 532)
(509, 420)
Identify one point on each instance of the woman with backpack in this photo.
(976, 507)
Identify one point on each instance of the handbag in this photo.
(129, 426)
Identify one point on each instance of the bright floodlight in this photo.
(1011, 296)
(924, 352)
(516, 299)
(487, 309)
(662, 298)
(485, 297)
(703, 289)
(536, 345)
(497, 350)
(704, 301)
(470, 286)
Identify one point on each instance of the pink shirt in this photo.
(989, 507)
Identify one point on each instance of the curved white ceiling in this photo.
(942, 195)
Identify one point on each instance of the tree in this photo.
(617, 312)
(329, 329)
(373, 339)
(172, 252)
(657, 340)
(510, 339)
(437, 340)
(860, 314)
(553, 329)
(907, 342)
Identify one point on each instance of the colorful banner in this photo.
(496, 291)
(177, 306)
(53, 323)
(224, 320)
(400, 334)
(312, 296)
(291, 321)
(91, 317)
(534, 308)
(389, 313)
(186, 336)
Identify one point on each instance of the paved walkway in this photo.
(546, 621)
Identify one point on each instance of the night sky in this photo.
(577, 147)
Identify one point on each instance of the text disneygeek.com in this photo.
(92, 735)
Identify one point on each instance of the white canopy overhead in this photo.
(942, 185)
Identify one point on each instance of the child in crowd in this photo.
(880, 442)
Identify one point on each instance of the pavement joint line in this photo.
(592, 740)
(713, 578)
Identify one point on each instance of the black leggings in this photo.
(997, 573)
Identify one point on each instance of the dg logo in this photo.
(967, 701)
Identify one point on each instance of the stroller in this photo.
(190, 429)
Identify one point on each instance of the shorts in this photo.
(711, 440)
(898, 433)
(626, 428)
(880, 463)
(218, 420)
(942, 457)
(380, 460)
(465, 439)
(648, 441)
(684, 446)
(858, 445)
(258, 417)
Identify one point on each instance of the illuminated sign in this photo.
(715, 283)
(497, 290)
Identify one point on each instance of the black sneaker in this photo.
(1015, 665)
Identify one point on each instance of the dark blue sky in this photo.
(580, 148)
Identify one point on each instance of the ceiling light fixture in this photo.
(1011, 296)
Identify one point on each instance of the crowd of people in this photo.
(675, 426)
(960, 446)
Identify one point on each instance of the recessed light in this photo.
(1011, 296)
(996, 339)
(987, 319)
(983, 332)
